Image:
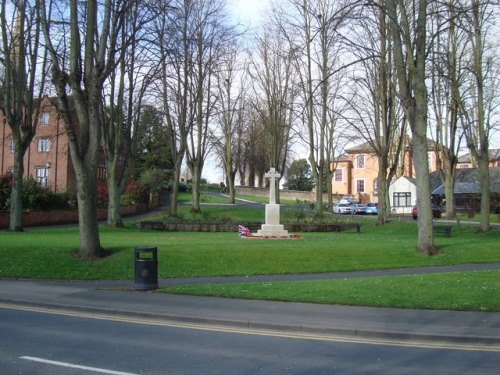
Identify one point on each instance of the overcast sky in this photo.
(248, 13)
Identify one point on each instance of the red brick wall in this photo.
(58, 217)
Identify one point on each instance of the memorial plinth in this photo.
(272, 226)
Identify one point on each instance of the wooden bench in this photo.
(347, 226)
(156, 225)
(446, 229)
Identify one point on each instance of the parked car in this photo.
(359, 209)
(436, 212)
(342, 208)
(347, 199)
(371, 209)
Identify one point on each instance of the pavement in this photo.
(121, 300)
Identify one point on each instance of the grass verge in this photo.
(469, 291)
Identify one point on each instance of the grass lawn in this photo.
(48, 253)
(469, 291)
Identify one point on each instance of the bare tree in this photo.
(175, 55)
(253, 166)
(191, 38)
(376, 112)
(312, 29)
(447, 73)
(272, 73)
(474, 108)
(79, 72)
(211, 36)
(122, 107)
(408, 25)
(22, 84)
(228, 140)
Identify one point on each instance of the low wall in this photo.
(284, 194)
(35, 218)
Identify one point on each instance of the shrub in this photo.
(152, 178)
(5, 189)
(40, 198)
(102, 195)
(139, 193)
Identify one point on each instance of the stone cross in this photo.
(272, 175)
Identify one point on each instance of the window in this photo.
(338, 175)
(43, 145)
(401, 200)
(44, 118)
(360, 186)
(375, 186)
(11, 146)
(101, 170)
(42, 176)
(429, 160)
(360, 161)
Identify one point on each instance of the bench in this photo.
(347, 226)
(156, 225)
(446, 229)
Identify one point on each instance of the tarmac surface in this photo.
(120, 299)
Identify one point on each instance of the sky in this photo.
(249, 14)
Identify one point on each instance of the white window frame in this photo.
(357, 185)
(398, 197)
(42, 176)
(337, 173)
(43, 118)
(43, 145)
(360, 161)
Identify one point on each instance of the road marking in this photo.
(72, 365)
(256, 331)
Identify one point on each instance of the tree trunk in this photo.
(195, 204)
(425, 243)
(90, 246)
(172, 212)
(16, 196)
(330, 193)
(383, 191)
(449, 185)
(413, 93)
(483, 176)
(114, 200)
(231, 187)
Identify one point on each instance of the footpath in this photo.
(119, 299)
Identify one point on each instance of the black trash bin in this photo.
(146, 268)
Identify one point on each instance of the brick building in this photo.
(466, 161)
(356, 171)
(47, 159)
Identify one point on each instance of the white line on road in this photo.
(71, 365)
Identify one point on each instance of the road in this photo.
(45, 343)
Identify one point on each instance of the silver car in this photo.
(359, 209)
(342, 208)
